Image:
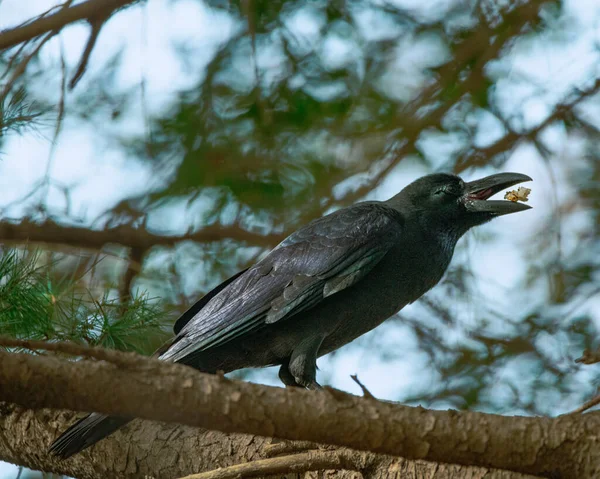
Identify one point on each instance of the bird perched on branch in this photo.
(324, 286)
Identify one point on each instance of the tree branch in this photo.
(145, 449)
(587, 405)
(308, 461)
(174, 393)
(139, 239)
(589, 357)
(82, 11)
(22, 66)
(95, 26)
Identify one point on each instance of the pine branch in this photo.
(35, 304)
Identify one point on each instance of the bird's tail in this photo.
(85, 432)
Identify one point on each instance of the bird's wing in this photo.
(321, 259)
(198, 305)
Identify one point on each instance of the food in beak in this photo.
(520, 194)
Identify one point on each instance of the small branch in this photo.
(296, 463)
(22, 66)
(366, 392)
(82, 11)
(588, 405)
(77, 236)
(589, 357)
(96, 25)
(13, 59)
(287, 447)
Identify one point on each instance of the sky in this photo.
(81, 158)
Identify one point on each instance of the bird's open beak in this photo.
(477, 193)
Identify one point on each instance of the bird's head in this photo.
(447, 200)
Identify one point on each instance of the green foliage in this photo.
(36, 305)
(17, 113)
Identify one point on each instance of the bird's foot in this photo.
(308, 383)
(315, 386)
(286, 377)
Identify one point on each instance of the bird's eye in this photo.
(445, 192)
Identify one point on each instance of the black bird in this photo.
(323, 286)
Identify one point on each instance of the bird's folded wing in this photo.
(317, 261)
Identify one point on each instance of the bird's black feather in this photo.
(324, 257)
(85, 432)
(198, 305)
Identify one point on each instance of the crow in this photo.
(325, 285)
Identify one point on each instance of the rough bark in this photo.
(146, 449)
(167, 392)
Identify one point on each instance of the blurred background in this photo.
(202, 132)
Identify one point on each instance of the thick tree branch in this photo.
(145, 449)
(139, 239)
(174, 393)
(82, 11)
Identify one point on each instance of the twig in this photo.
(287, 447)
(295, 463)
(13, 59)
(20, 69)
(96, 25)
(589, 357)
(366, 392)
(587, 405)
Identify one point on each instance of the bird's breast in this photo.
(403, 276)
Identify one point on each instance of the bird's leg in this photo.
(303, 362)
